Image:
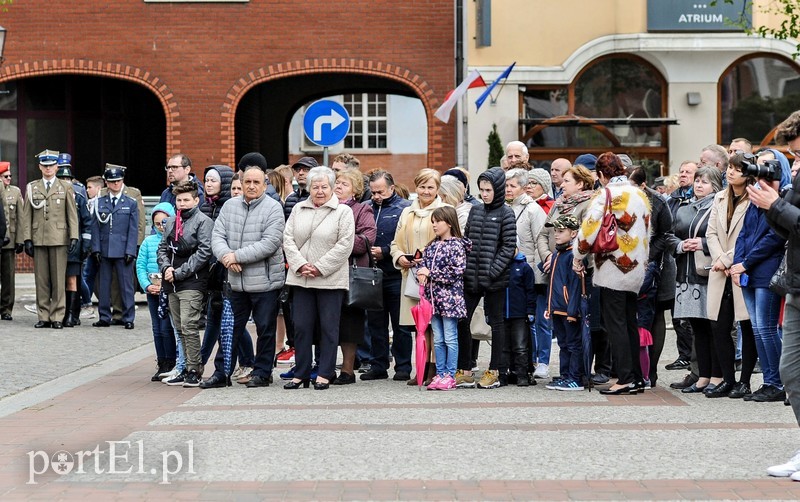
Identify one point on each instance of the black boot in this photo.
(69, 321)
(162, 364)
(76, 308)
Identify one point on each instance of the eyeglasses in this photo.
(172, 168)
(6, 176)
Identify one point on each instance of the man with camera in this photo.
(783, 215)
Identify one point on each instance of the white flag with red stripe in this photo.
(473, 80)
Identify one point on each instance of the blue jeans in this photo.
(541, 333)
(163, 336)
(790, 357)
(764, 308)
(180, 361)
(445, 344)
(89, 274)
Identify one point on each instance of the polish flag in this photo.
(473, 80)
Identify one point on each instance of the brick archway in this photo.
(110, 70)
(312, 66)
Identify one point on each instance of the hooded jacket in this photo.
(493, 231)
(212, 205)
(521, 291)
(147, 260)
(190, 254)
(168, 196)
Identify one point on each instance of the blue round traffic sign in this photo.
(326, 123)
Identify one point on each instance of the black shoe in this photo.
(771, 394)
(292, 385)
(402, 376)
(740, 389)
(42, 324)
(345, 379)
(687, 381)
(160, 367)
(599, 379)
(6, 317)
(321, 386)
(694, 389)
(624, 390)
(215, 381)
(117, 322)
(522, 381)
(374, 374)
(56, 325)
(257, 381)
(756, 392)
(178, 380)
(678, 364)
(101, 324)
(721, 390)
(192, 379)
(128, 325)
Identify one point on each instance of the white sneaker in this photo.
(795, 476)
(245, 372)
(87, 312)
(542, 371)
(790, 468)
(237, 373)
(31, 307)
(169, 375)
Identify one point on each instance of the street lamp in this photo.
(2, 44)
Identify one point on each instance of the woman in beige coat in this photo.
(725, 301)
(317, 241)
(414, 232)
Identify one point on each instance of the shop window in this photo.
(755, 95)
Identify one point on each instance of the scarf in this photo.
(178, 226)
(565, 205)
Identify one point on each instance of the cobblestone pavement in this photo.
(369, 441)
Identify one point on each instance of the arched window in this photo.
(755, 94)
(616, 103)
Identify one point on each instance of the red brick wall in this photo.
(201, 58)
(402, 166)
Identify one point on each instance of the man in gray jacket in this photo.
(248, 241)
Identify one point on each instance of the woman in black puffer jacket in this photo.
(493, 231)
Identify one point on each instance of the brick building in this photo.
(132, 81)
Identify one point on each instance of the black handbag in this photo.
(366, 285)
(778, 282)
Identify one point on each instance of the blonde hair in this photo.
(581, 175)
(428, 174)
(671, 183)
(356, 181)
(450, 191)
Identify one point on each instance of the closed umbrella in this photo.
(226, 333)
(422, 314)
(586, 334)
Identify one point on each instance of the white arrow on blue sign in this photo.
(326, 123)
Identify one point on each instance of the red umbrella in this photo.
(422, 314)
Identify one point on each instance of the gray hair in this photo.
(319, 172)
(712, 174)
(720, 154)
(518, 144)
(519, 175)
(451, 190)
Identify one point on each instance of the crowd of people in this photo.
(585, 252)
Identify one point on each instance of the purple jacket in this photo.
(365, 227)
(447, 261)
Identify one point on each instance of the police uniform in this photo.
(12, 207)
(115, 229)
(50, 228)
(84, 247)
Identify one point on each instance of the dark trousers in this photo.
(7, 268)
(601, 348)
(163, 334)
(659, 332)
(724, 345)
(493, 302)
(89, 277)
(264, 307)
(707, 360)
(325, 306)
(515, 353)
(126, 292)
(683, 338)
(244, 352)
(570, 348)
(378, 330)
(619, 319)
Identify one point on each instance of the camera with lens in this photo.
(770, 170)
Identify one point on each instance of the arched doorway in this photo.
(98, 120)
(263, 120)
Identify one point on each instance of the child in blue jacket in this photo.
(563, 306)
(520, 307)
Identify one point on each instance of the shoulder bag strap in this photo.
(700, 223)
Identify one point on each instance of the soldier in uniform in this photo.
(50, 232)
(76, 257)
(116, 299)
(12, 208)
(115, 229)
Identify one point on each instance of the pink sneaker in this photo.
(434, 385)
(447, 383)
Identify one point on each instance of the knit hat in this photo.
(459, 175)
(543, 178)
(586, 160)
(4, 166)
(252, 159)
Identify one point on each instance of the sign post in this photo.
(326, 123)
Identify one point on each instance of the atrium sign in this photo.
(694, 15)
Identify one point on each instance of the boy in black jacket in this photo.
(520, 307)
(563, 306)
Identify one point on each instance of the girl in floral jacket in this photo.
(442, 275)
